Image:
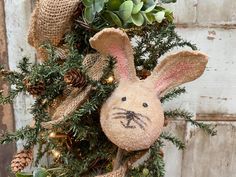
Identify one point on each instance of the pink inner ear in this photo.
(122, 61)
(174, 75)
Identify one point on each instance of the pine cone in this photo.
(143, 74)
(74, 78)
(36, 89)
(21, 160)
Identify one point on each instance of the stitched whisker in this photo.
(119, 117)
(138, 118)
(139, 124)
(138, 114)
(119, 113)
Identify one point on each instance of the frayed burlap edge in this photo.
(50, 21)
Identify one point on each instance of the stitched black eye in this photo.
(123, 98)
(145, 105)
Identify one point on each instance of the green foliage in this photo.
(14, 78)
(153, 41)
(172, 94)
(23, 174)
(173, 139)
(40, 172)
(168, 1)
(153, 166)
(125, 13)
(25, 133)
(178, 113)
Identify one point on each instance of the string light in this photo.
(55, 153)
(55, 135)
(52, 135)
(110, 79)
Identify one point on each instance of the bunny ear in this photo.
(115, 43)
(177, 69)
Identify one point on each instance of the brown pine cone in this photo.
(143, 74)
(36, 89)
(21, 160)
(74, 78)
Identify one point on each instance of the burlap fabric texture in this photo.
(120, 172)
(50, 20)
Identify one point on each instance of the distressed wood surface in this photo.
(6, 111)
(214, 92)
(215, 117)
(17, 21)
(207, 156)
(172, 156)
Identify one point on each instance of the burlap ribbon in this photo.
(50, 20)
(94, 64)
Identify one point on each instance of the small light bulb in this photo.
(52, 135)
(56, 153)
(110, 79)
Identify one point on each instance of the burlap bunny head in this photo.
(132, 118)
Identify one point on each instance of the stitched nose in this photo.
(130, 113)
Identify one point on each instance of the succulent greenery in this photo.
(126, 13)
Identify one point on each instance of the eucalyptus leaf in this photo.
(169, 15)
(137, 19)
(23, 174)
(149, 17)
(87, 3)
(98, 5)
(136, 1)
(89, 14)
(125, 10)
(114, 5)
(115, 19)
(137, 8)
(148, 3)
(40, 172)
(160, 16)
(149, 9)
(168, 1)
(159, 8)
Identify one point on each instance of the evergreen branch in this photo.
(153, 42)
(14, 79)
(154, 165)
(97, 98)
(172, 138)
(41, 151)
(9, 99)
(172, 94)
(25, 133)
(109, 69)
(177, 113)
(24, 65)
(157, 164)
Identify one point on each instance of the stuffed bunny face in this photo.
(132, 118)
